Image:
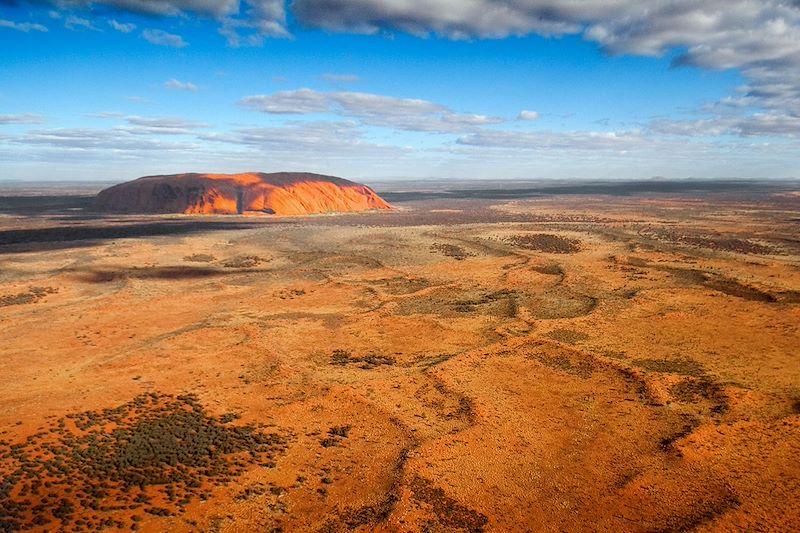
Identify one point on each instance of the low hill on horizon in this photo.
(279, 193)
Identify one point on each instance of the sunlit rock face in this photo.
(281, 193)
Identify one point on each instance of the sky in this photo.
(396, 89)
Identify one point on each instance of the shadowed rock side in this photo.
(282, 193)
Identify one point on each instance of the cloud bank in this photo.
(163, 38)
(24, 27)
(375, 110)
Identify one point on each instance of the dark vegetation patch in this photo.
(33, 295)
(270, 496)
(229, 417)
(434, 361)
(791, 297)
(559, 303)
(290, 294)
(684, 367)
(335, 436)
(717, 282)
(633, 261)
(551, 269)
(630, 293)
(796, 406)
(583, 364)
(449, 513)
(332, 262)
(614, 354)
(686, 424)
(501, 303)
(696, 390)
(164, 273)
(636, 383)
(569, 336)
(401, 285)
(716, 242)
(451, 250)
(340, 431)
(99, 469)
(626, 479)
(701, 390)
(199, 258)
(454, 303)
(451, 411)
(732, 287)
(633, 273)
(252, 491)
(569, 364)
(352, 518)
(709, 507)
(545, 242)
(365, 362)
(243, 261)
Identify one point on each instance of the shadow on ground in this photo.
(38, 239)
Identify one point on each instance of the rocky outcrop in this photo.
(281, 193)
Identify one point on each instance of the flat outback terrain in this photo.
(601, 357)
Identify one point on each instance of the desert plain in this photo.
(587, 359)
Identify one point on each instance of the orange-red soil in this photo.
(282, 193)
(566, 364)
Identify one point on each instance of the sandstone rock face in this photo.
(282, 193)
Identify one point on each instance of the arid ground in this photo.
(590, 360)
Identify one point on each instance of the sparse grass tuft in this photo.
(545, 242)
(33, 295)
(199, 258)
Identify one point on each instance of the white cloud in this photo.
(22, 26)
(76, 23)
(96, 139)
(550, 140)
(459, 19)
(372, 109)
(301, 101)
(122, 26)
(163, 8)
(181, 85)
(340, 78)
(164, 125)
(153, 125)
(107, 115)
(528, 115)
(754, 125)
(258, 19)
(25, 118)
(163, 38)
(310, 138)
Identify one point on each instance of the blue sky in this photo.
(381, 89)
